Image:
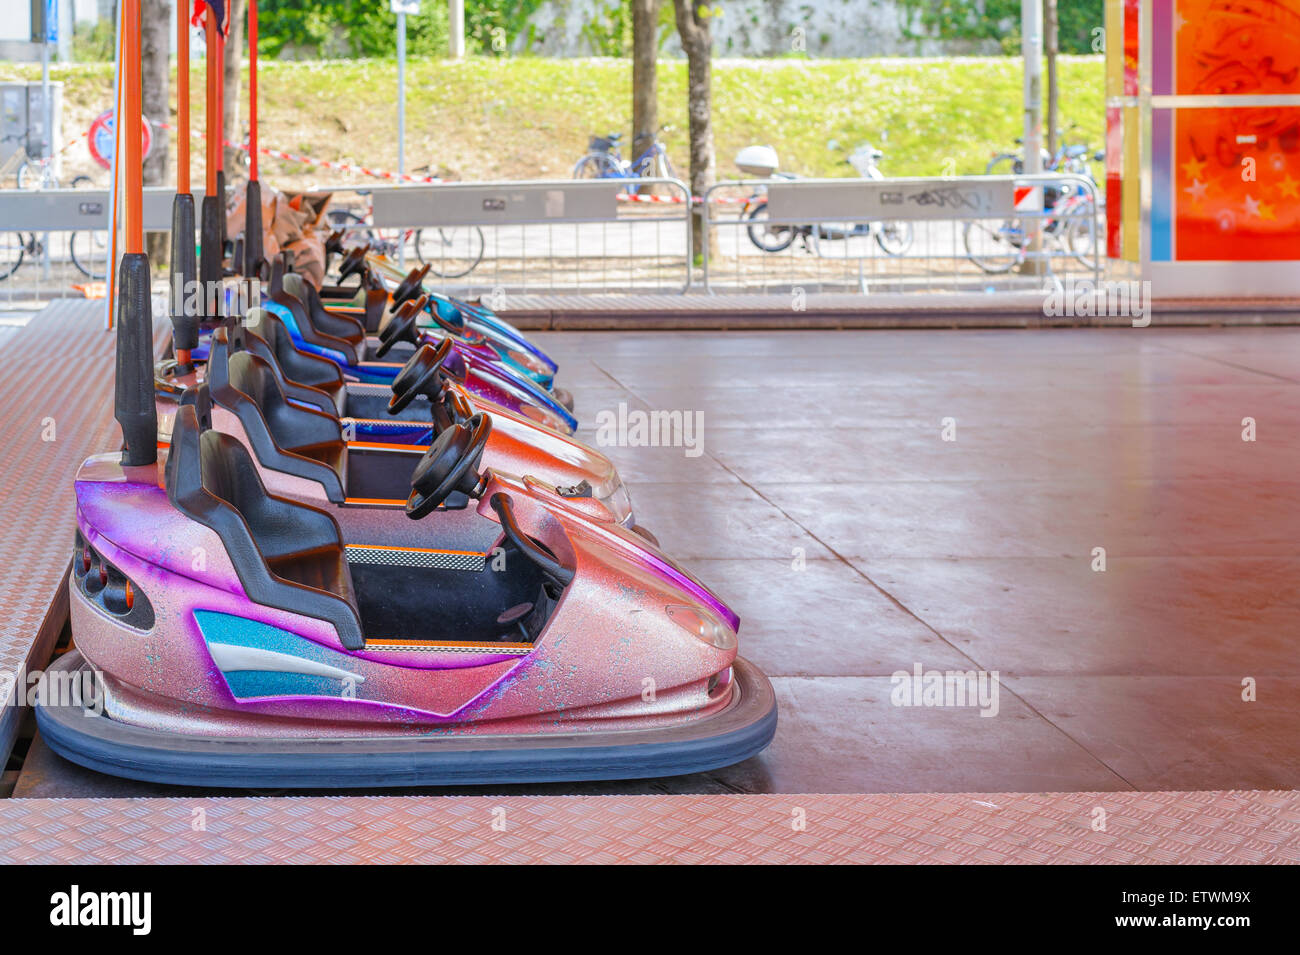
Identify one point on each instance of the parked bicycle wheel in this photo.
(89, 249)
(449, 252)
(894, 238)
(765, 235)
(995, 245)
(12, 246)
(1081, 234)
(29, 176)
(1005, 164)
(596, 166)
(354, 228)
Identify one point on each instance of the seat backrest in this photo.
(336, 326)
(296, 365)
(277, 431)
(306, 329)
(211, 479)
(241, 338)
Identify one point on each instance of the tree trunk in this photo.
(155, 48)
(645, 81)
(230, 82)
(1051, 41)
(697, 42)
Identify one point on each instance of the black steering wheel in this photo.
(411, 286)
(450, 464)
(542, 558)
(354, 261)
(422, 375)
(402, 326)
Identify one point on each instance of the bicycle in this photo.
(1069, 157)
(604, 161)
(450, 252)
(85, 248)
(28, 172)
(1072, 225)
(893, 237)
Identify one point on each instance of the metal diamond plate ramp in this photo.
(1080, 828)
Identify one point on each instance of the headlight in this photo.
(617, 499)
(527, 360)
(700, 623)
(543, 417)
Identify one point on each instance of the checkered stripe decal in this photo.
(430, 559)
(381, 424)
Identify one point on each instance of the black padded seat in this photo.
(285, 437)
(284, 296)
(313, 371)
(234, 338)
(325, 322)
(288, 555)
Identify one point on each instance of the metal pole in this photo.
(110, 300)
(401, 119)
(46, 111)
(47, 138)
(1031, 47)
(456, 28)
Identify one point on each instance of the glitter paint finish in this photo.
(609, 657)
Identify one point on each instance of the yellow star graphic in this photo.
(1290, 187)
(1265, 210)
(1194, 168)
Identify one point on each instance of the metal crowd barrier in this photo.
(54, 243)
(900, 235)
(569, 235)
(634, 235)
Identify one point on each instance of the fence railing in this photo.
(901, 235)
(634, 235)
(54, 243)
(598, 235)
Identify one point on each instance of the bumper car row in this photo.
(352, 541)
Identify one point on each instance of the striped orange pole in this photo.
(131, 128)
(182, 97)
(252, 89)
(213, 118)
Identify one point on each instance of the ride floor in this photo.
(877, 501)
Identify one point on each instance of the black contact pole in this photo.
(133, 393)
(221, 208)
(211, 227)
(185, 308)
(251, 267)
(134, 409)
(210, 249)
(184, 270)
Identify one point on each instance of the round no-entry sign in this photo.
(103, 135)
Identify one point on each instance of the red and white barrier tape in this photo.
(407, 177)
(323, 163)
